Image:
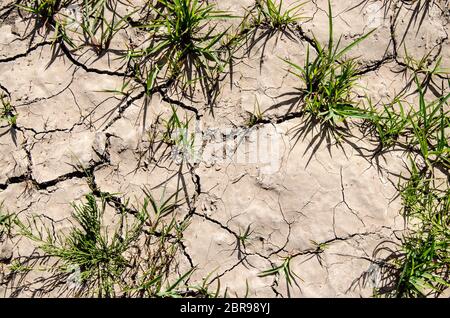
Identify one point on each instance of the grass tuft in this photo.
(422, 265)
(273, 15)
(7, 111)
(105, 257)
(88, 247)
(329, 79)
(184, 44)
(423, 129)
(97, 29)
(46, 14)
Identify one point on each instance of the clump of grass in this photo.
(99, 21)
(420, 193)
(390, 123)
(107, 258)
(242, 239)
(45, 12)
(16, 267)
(177, 130)
(424, 65)
(7, 111)
(273, 15)
(178, 134)
(98, 30)
(184, 44)
(424, 129)
(329, 80)
(44, 9)
(269, 15)
(99, 257)
(430, 126)
(422, 265)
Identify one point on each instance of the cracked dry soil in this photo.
(328, 205)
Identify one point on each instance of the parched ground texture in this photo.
(327, 204)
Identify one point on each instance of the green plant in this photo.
(104, 255)
(163, 206)
(422, 197)
(319, 246)
(430, 126)
(423, 129)
(390, 124)
(422, 264)
(17, 267)
(89, 247)
(7, 111)
(177, 134)
(46, 12)
(202, 290)
(241, 241)
(424, 65)
(171, 291)
(285, 269)
(256, 116)
(183, 44)
(176, 130)
(153, 268)
(244, 236)
(98, 29)
(44, 9)
(329, 80)
(274, 16)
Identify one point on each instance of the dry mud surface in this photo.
(327, 204)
